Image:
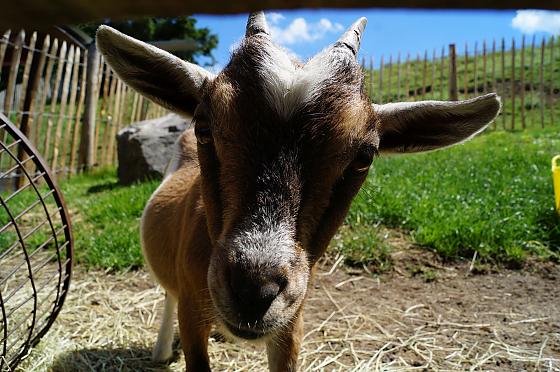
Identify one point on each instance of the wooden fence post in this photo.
(407, 77)
(371, 77)
(503, 78)
(522, 82)
(484, 74)
(453, 94)
(416, 76)
(399, 77)
(466, 73)
(441, 73)
(541, 80)
(475, 67)
(512, 84)
(381, 80)
(433, 83)
(85, 156)
(531, 78)
(35, 76)
(389, 80)
(551, 88)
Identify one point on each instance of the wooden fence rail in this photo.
(69, 105)
(527, 81)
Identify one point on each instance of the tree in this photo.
(158, 29)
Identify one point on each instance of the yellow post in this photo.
(556, 179)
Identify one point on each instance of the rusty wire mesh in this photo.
(35, 246)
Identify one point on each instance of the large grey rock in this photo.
(145, 148)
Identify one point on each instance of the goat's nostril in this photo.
(268, 292)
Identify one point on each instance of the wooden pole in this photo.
(532, 80)
(85, 155)
(453, 94)
(381, 80)
(12, 77)
(62, 112)
(551, 88)
(441, 73)
(33, 90)
(433, 82)
(513, 84)
(25, 80)
(475, 68)
(71, 111)
(407, 77)
(503, 77)
(522, 83)
(416, 63)
(371, 77)
(466, 73)
(78, 120)
(389, 80)
(3, 46)
(484, 65)
(399, 77)
(541, 85)
(424, 74)
(110, 120)
(494, 84)
(54, 101)
(28, 107)
(43, 100)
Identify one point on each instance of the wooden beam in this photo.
(40, 14)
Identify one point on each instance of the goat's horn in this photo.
(353, 36)
(256, 24)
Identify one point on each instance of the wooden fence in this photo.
(525, 73)
(45, 88)
(71, 105)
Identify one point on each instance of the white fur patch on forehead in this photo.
(289, 86)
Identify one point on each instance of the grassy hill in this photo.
(525, 76)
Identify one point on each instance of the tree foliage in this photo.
(158, 29)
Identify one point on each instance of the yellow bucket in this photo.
(556, 179)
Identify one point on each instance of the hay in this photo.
(110, 323)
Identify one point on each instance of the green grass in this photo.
(106, 219)
(492, 195)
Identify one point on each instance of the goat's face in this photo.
(283, 148)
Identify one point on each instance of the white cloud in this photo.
(531, 21)
(299, 30)
(275, 18)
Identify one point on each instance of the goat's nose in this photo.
(253, 294)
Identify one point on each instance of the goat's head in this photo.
(283, 148)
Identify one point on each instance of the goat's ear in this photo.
(158, 75)
(429, 125)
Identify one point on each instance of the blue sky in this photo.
(306, 32)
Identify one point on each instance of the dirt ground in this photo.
(423, 315)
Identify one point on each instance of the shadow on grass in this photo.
(135, 358)
(104, 187)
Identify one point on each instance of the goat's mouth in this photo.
(244, 332)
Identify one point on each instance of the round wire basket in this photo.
(36, 247)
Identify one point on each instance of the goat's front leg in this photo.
(283, 349)
(194, 330)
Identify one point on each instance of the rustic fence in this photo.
(47, 86)
(525, 74)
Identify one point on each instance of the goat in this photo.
(261, 183)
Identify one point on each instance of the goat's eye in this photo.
(202, 132)
(363, 159)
